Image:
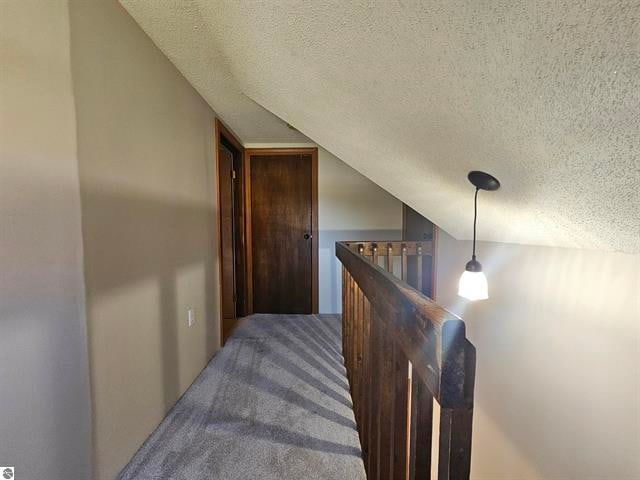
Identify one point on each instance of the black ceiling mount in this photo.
(483, 180)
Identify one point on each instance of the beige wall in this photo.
(44, 384)
(146, 157)
(558, 373)
(350, 207)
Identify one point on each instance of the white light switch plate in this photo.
(191, 316)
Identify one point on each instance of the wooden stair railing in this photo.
(401, 352)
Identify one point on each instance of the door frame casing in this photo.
(223, 132)
(258, 152)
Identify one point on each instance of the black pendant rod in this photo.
(475, 218)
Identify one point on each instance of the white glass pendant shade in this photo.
(473, 286)
(473, 283)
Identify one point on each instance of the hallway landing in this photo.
(273, 404)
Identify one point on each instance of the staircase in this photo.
(403, 351)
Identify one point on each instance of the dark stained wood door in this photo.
(282, 229)
(234, 287)
(416, 227)
(227, 239)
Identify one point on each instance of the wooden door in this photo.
(227, 238)
(234, 287)
(283, 227)
(416, 227)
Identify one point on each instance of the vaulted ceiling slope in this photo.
(545, 95)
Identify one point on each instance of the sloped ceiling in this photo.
(182, 33)
(545, 95)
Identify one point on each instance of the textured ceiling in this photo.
(543, 94)
(179, 30)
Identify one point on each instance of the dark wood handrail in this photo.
(402, 351)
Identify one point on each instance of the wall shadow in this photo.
(253, 396)
(132, 240)
(306, 356)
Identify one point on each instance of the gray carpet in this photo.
(272, 404)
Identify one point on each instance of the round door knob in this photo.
(307, 236)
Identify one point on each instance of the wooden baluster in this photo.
(344, 305)
(361, 385)
(345, 320)
(403, 274)
(362, 378)
(419, 268)
(352, 359)
(420, 431)
(347, 351)
(375, 378)
(351, 317)
(389, 258)
(401, 415)
(387, 393)
(359, 355)
(374, 258)
(365, 395)
(356, 344)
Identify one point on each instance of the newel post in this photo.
(456, 400)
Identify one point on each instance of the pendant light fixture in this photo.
(473, 283)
